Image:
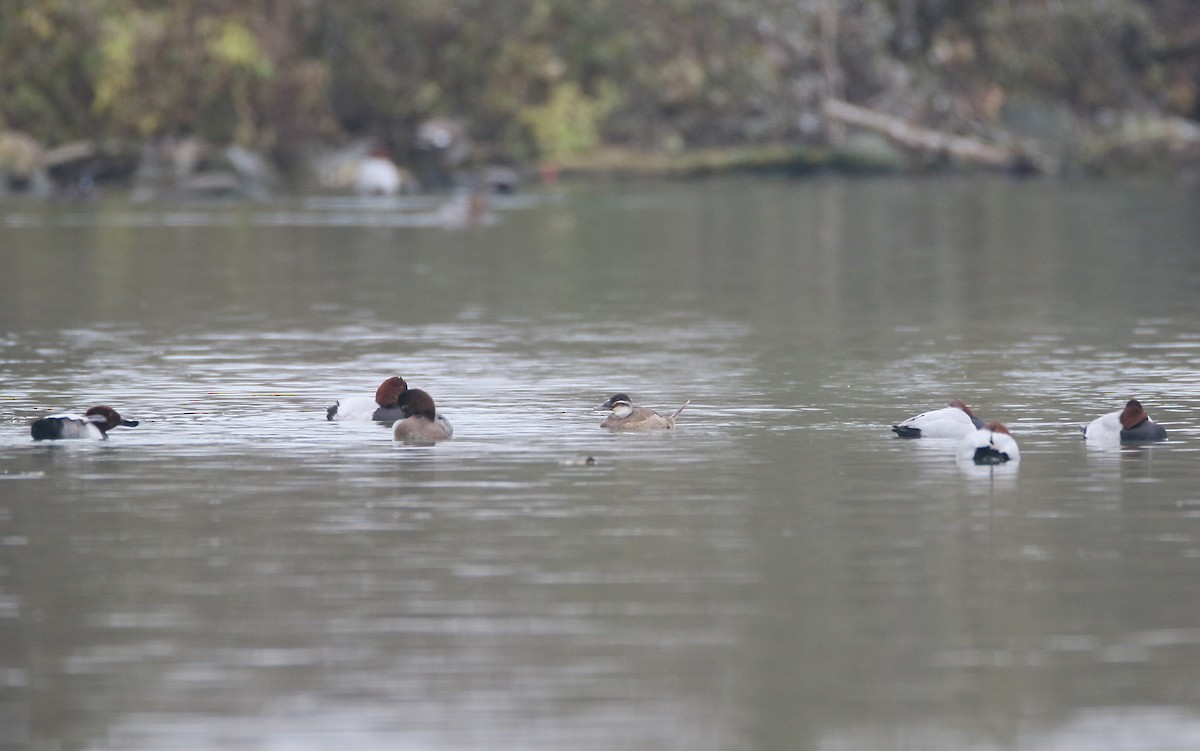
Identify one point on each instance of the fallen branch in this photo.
(1173, 133)
(927, 141)
(76, 151)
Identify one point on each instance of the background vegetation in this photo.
(556, 79)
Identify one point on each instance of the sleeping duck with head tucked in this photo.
(955, 420)
(422, 423)
(384, 407)
(1130, 425)
(623, 415)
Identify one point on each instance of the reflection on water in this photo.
(778, 572)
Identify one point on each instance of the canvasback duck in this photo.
(93, 425)
(1130, 425)
(952, 421)
(625, 416)
(422, 423)
(385, 407)
(991, 444)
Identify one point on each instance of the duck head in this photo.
(1133, 415)
(419, 403)
(620, 404)
(388, 393)
(107, 418)
(959, 403)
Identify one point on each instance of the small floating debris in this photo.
(585, 462)
(7, 475)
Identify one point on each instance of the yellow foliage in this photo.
(233, 44)
(568, 124)
(115, 72)
(38, 23)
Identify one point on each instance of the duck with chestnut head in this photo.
(952, 421)
(990, 445)
(1130, 425)
(384, 407)
(93, 425)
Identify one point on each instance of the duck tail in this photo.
(989, 455)
(675, 414)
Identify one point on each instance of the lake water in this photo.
(780, 572)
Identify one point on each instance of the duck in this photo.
(625, 416)
(378, 175)
(385, 407)
(992, 444)
(422, 423)
(952, 421)
(465, 210)
(1130, 425)
(93, 425)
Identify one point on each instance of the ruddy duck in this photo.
(625, 416)
(1130, 425)
(385, 407)
(422, 423)
(952, 421)
(94, 425)
(991, 444)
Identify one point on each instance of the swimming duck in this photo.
(991, 444)
(464, 210)
(421, 423)
(952, 421)
(625, 416)
(94, 425)
(1130, 425)
(385, 407)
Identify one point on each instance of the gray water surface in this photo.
(779, 572)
